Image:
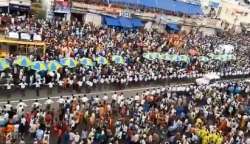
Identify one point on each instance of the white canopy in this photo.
(224, 48)
(202, 81)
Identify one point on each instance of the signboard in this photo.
(19, 7)
(62, 6)
(125, 13)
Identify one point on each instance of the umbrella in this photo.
(3, 121)
(203, 58)
(118, 59)
(247, 80)
(105, 98)
(38, 66)
(148, 56)
(23, 61)
(211, 76)
(84, 99)
(53, 65)
(61, 101)
(101, 60)
(166, 57)
(48, 102)
(224, 57)
(4, 64)
(202, 81)
(156, 55)
(217, 57)
(183, 58)
(211, 55)
(69, 62)
(227, 57)
(86, 62)
(175, 57)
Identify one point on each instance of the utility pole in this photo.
(9, 7)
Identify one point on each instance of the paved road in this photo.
(30, 93)
(129, 91)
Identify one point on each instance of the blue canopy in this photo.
(169, 5)
(173, 26)
(112, 21)
(123, 22)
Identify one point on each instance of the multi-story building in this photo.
(15, 6)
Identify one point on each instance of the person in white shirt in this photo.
(37, 85)
(114, 97)
(60, 85)
(8, 106)
(90, 85)
(51, 85)
(77, 137)
(61, 102)
(48, 103)
(120, 98)
(137, 97)
(21, 104)
(36, 104)
(71, 82)
(22, 86)
(8, 89)
(79, 86)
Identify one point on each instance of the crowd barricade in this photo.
(57, 90)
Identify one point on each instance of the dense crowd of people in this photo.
(76, 39)
(186, 114)
(215, 113)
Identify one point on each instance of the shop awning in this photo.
(137, 23)
(123, 22)
(112, 21)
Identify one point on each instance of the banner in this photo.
(25, 36)
(14, 35)
(16, 7)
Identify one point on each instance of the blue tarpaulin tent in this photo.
(123, 22)
(169, 5)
